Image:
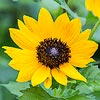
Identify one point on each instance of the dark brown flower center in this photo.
(53, 52)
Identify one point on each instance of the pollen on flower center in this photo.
(53, 52)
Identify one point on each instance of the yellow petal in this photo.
(11, 51)
(32, 25)
(17, 38)
(72, 31)
(25, 29)
(26, 72)
(16, 53)
(40, 75)
(24, 38)
(45, 23)
(15, 65)
(96, 9)
(48, 82)
(71, 72)
(80, 62)
(85, 48)
(94, 6)
(21, 58)
(81, 53)
(23, 64)
(60, 26)
(89, 4)
(59, 76)
(84, 35)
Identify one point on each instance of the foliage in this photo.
(76, 90)
(10, 11)
(15, 87)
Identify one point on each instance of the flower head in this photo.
(50, 49)
(94, 6)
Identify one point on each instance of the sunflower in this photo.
(50, 49)
(94, 6)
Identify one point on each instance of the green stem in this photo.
(55, 92)
(66, 7)
(62, 90)
(94, 29)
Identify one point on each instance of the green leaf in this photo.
(68, 93)
(79, 97)
(78, 7)
(95, 85)
(83, 88)
(79, 88)
(6, 95)
(91, 73)
(16, 87)
(62, 91)
(36, 0)
(97, 95)
(37, 93)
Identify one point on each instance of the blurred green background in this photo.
(11, 10)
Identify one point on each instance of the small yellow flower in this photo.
(94, 6)
(50, 49)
